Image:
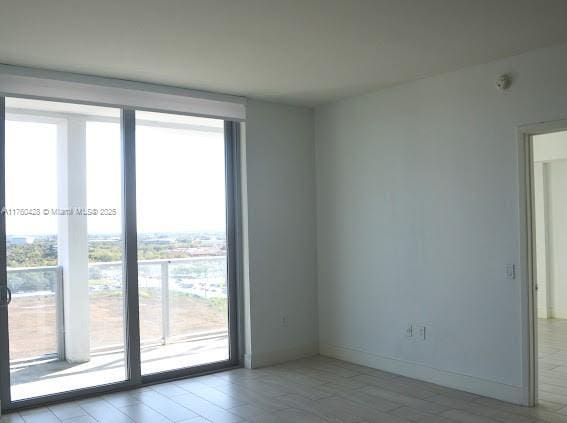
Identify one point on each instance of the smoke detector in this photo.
(503, 82)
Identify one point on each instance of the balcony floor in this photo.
(43, 377)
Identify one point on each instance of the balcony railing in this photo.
(37, 323)
(38, 303)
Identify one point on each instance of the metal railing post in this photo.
(165, 301)
(60, 313)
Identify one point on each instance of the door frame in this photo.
(528, 261)
(134, 378)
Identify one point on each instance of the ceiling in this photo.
(294, 51)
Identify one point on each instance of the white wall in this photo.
(280, 224)
(549, 147)
(558, 236)
(550, 180)
(417, 215)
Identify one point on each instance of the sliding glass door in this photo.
(116, 248)
(182, 243)
(63, 247)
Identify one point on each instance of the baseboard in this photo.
(263, 359)
(479, 386)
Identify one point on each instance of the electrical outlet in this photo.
(421, 332)
(409, 331)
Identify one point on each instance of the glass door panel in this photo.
(182, 242)
(64, 247)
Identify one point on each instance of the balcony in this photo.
(183, 320)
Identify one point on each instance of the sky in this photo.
(180, 178)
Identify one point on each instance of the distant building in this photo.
(159, 241)
(21, 240)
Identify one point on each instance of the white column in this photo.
(72, 238)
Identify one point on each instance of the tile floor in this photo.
(552, 340)
(316, 389)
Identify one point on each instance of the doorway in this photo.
(544, 247)
(550, 241)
